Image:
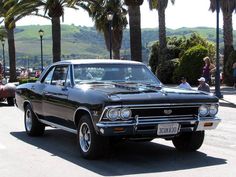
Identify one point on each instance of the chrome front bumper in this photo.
(196, 124)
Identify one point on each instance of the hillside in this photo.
(86, 42)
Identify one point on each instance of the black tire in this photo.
(32, 126)
(189, 141)
(10, 101)
(91, 145)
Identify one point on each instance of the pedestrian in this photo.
(184, 84)
(234, 74)
(208, 69)
(203, 86)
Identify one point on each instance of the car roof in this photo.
(97, 61)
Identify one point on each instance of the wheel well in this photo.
(25, 104)
(79, 114)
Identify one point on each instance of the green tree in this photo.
(99, 12)
(227, 7)
(9, 24)
(135, 28)
(160, 6)
(53, 10)
(191, 64)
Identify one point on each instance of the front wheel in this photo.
(189, 141)
(32, 126)
(91, 145)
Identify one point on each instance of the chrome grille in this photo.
(165, 112)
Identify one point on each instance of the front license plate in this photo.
(167, 129)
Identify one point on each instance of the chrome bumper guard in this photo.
(203, 123)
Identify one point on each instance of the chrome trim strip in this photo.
(81, 108)
(106, 125)
(146, 120)
(161, 104)
(169, 117)
(172, 106)
(58, 126)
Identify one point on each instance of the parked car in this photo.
(7, 93)
(100, 100)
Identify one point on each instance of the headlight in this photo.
(213, 109)
(125, 113)
(203, 110)
(113, 114)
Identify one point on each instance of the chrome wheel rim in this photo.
(28, 120)
(84, 137)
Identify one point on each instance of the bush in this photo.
(165, 71)
(27, 80)
(177, 46)
(153, 58)
(191, 64)
(229, 69)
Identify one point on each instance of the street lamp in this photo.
(3, 56)
(41, 33)
(217, 77)
(110, 18)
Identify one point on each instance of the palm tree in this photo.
(53, 10)
(135, 29)
(99, 12)
(9, 23)
(160, 6)
(227, 7)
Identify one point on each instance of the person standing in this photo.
(184, 84)
(203, 86)
(207, 69)
(234, 74)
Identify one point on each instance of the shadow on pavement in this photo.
(124, 159)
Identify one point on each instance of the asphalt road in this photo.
(55, 154)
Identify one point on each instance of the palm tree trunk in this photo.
(116, 53)
(228, 44)
(135, 33)
(162, 34)
(56, 39)
(12, 53)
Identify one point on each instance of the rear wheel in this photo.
(91, 145)
(10, 101)
(32, 126)
(189, 141)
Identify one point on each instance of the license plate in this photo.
(167, 129)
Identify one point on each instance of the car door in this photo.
(55, 96)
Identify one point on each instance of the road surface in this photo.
(56, 155)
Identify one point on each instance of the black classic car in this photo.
(103, 100)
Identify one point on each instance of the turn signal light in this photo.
(208, 124)
(118, 129)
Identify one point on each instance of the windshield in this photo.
(102, 73)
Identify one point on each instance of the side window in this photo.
(59, 75)
(48, 78)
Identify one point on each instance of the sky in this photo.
(184, 13)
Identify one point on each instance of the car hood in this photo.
(149, 94)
